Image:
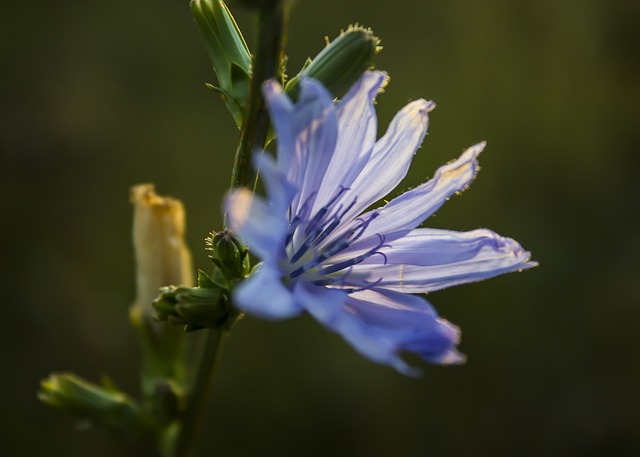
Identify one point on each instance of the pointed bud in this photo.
(341, 63)
(100, 405)
(229, 255)
(228, 52)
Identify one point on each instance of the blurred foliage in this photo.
(98, 96)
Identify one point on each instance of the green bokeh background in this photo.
(97, 96)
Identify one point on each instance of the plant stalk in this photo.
(271, 37)
(191, 426)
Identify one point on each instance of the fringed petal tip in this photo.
(237, 207)
(467, 160)
(370, 80)
(521, 258)
(471, 155)
(445, 358)
(419, 109)
(256, 222)
(271, 87)
(430, 106)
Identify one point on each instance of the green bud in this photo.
(341, 63)
(229, 255)
(100, 405)
(194, 307)
(228, 52)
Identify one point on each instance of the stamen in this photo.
(297, 272)
(313, 223)
(316, 232)
(299, 218)
(367, 287)
(354, 261)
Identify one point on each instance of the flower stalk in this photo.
(272, 20)
(270, 39)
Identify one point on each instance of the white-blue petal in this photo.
(307, 133)
(382, 324)
(410, 322)
(391, 156)
(263, 295)
(414, 206)
(279, 191)
(282, 113)
(315, 135)
(357, 130)
(481, 255)
(432, 247)
(261, 225)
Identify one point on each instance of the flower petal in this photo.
(282, 110)
(279, 190)
(391, 156)
(262, 226)
(263, 295)
(433, 247)
(422, 264)
(410, 209)
(382, 324)
(307, 134)
(357, 130)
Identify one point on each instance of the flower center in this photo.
(309, 249)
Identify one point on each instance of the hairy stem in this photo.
(269, 52)
(271, 37)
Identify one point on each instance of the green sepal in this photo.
(202, 307)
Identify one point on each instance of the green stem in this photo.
(271, 23)
(192, 423)
(271, 37)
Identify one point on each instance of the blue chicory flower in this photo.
(356, 271)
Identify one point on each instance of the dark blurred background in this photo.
(98, 96)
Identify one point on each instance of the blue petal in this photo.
(357, 130)
(315, 138)
(279, 190)
(282, 112)
(433, 247)
(321, 302)
(263, 295)
(409, 322)
(391, 155)
(452, 259)
(382, 324)
(414, 206)
(262, 226)
(307, 134)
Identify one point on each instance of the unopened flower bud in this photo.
(100, 405)
(228, 52)
(341, 63)
(194, 307)
(229, 255)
